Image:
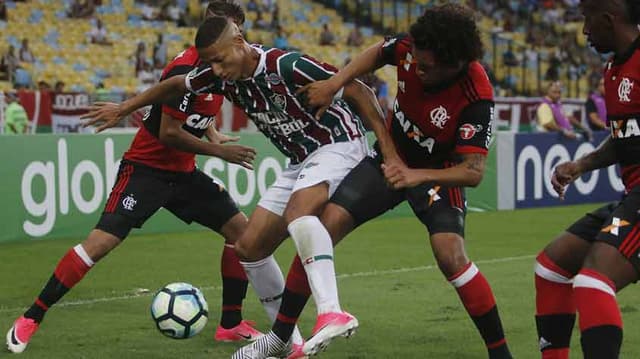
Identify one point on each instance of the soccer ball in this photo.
(179, 310)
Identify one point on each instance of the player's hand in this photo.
(400, 176)
(107, 114)
(222, 138)
(564, 174)
(238, 154)
(318, 95)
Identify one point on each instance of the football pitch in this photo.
(386, 275)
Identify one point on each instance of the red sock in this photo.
(69, 271)
(555, 308)
(73, 266)
(297, 281)
(477, 297)
(234, 287)
(600, 319)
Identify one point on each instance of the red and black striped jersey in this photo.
(196, 111)
(622, 98)
(269, 99)
(433, 126)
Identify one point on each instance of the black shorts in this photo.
(139, 191)
(365, 195)
(617, 224)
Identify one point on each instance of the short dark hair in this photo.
(210, 30)
(225, 8)
(450, 31)
(633, 6)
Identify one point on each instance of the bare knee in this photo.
(248, 250)
(234, 228)
(448, 249)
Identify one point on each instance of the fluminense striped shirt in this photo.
(268, 98)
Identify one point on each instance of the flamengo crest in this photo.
(624, 90)
(439, 117)
(128, 202)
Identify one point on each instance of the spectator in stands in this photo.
(552, 117)
(146, 77)
(280, 39)
(327, 38)
(160, 51)
(170, 11)
(355, 37)
(81, 9)
(25, 54)
(44, 86)
(149, 12)
(596, 109)
(9, 63)
(58, 87)
(101, 94)
(140, 57)
(16, 121)
(252, 5)
(261, 23)
(3, 10)
(98, 34)
(275, 17)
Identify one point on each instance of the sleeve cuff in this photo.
(472, 149)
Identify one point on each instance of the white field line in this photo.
(373, 273)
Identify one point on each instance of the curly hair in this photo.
(225, 8)
(449, 31)
(634, 10)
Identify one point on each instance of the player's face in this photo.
(225, 57)
(430, 72)
(598, 26)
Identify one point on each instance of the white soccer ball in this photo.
(179, 310)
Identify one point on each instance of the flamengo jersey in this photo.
(268, 98)
(196, 111)
(431, 127)
(622, 97)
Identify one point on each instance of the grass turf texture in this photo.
(387, 278)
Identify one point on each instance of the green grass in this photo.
(387, 279)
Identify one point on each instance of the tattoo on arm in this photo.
(475, 162)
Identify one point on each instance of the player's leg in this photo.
(555, 268)
(198, 198)
(443, 210)
(114, 225)
(611, 264)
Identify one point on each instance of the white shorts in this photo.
(329, 163)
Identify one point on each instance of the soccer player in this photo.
(157, 171)
(441, 127)
(583, 268)
(322, 151)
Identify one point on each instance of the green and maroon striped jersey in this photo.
(268, 98)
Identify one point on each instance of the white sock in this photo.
(267, 280)
(316, 252)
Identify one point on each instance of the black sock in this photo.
(233, 293)
(290, 309)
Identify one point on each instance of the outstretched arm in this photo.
(109, 114)
(567, 172)
(172, 134)
(320, 93)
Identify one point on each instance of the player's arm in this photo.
(364, 100)
(110, 114)
(320, 94)
(214, 136)
(567, 172)
(172, 134)
(472, 145)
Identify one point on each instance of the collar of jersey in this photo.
(262, 62)
(618, 60)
